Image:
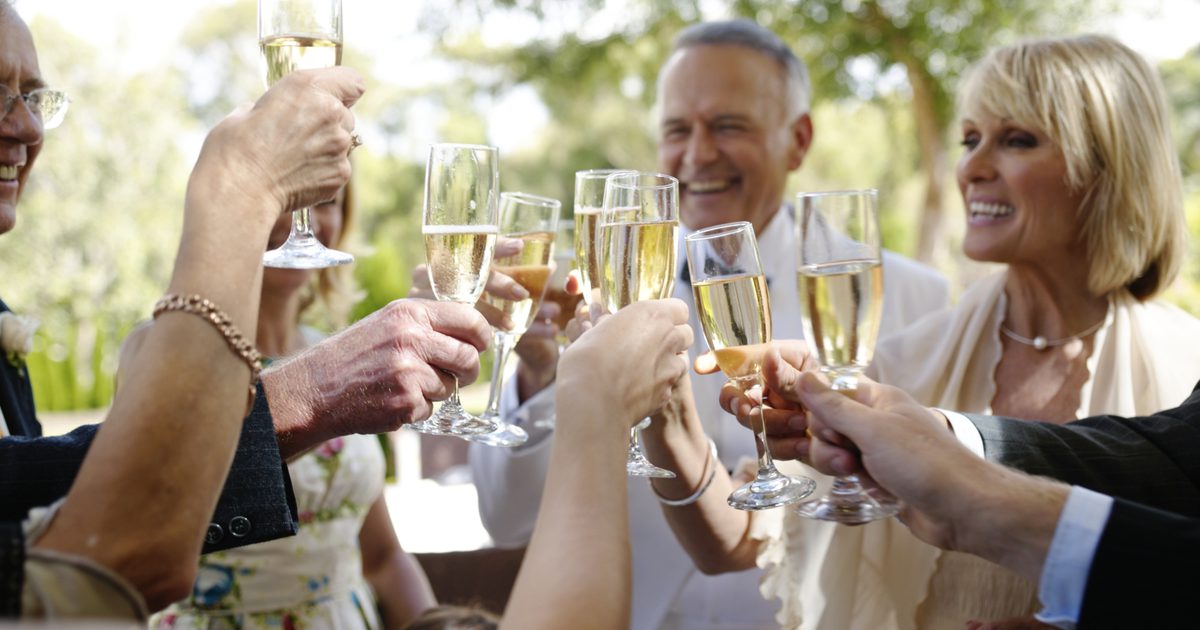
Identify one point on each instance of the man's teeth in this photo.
(708, 186)
(979, 208)
(9, 172)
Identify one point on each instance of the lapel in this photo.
(16, 398)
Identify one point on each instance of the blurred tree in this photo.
(99, 221)
(859, 48)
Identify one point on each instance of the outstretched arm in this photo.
(577, 570)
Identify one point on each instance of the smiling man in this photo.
(733, 125)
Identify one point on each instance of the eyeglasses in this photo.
(48, 105)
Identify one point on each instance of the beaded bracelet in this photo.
(711, 464)
(213, 314)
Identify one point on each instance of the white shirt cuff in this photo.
(965, 431)
(1065, 573)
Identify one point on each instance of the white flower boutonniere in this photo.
(16, 338)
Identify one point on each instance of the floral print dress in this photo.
(311, 580)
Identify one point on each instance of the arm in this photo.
(152, 457)
(401, 588)
(1149, 459)
(716, 537)
(585, 511)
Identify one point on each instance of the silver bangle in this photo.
(711, 464)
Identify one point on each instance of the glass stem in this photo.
(301, 228)
(503, 343)
(847, 486)
(766, 464)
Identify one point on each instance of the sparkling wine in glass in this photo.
(735, 312)
(639, 226)
(589, 203)
(460, 225)
(300, 35)
(534, 221)
(841, 294)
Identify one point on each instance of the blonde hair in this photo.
(333, 289)
(1106, 108)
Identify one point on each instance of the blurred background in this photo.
(558, 85)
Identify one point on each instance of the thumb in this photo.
(834, 413)
(345, 84)
(705, 363)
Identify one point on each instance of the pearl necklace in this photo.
(1040, 343)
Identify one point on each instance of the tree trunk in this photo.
(933, 161)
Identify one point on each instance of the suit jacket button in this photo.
(214, 534)
(239, 526)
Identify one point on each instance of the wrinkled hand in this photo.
(289, 150)
(498, 284)
(384, 371)
(629, 362)
(783, 416)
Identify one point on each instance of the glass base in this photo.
(637, 465)
(848, 504)
(506, 434)
(452, 419)
(771, 490)
(305, 252)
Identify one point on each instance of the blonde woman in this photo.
(1069, 178)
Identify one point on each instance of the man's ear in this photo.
(802, 137)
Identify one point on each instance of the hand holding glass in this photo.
(301, 35)
(735, 312)
(533, 220)
(637, 260)
(460, 227)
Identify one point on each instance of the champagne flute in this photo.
(735, 313)
(639, 225)
(459, 222)
(568, 303)
(533, 220)
(589, 203)
(301, 35)
(841, 293)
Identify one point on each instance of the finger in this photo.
(540, 331)
(507, 246)
(494, 316)
(833, 411)
(779, 372)
(681, 338)
(548, 310)
(789, 447)
(574, 285)
(706, 363)
(450, 355)
(505, 288)
(420, 277)
(459, 321)
(344, 83)
(832, 460)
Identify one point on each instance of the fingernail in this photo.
(798, 422)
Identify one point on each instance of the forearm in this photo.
(1009, 518)
(582, 518)
(714, 535)
(401, 587)
(173, 434)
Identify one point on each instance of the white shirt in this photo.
(1076, 537)
(668, 591)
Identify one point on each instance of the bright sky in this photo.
(388, 32)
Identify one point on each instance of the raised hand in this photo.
(382, 372)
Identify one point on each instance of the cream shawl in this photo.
(1146, 357)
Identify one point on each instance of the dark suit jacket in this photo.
(256, 503)
(1151, 466)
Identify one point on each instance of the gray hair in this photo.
(751, 35)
